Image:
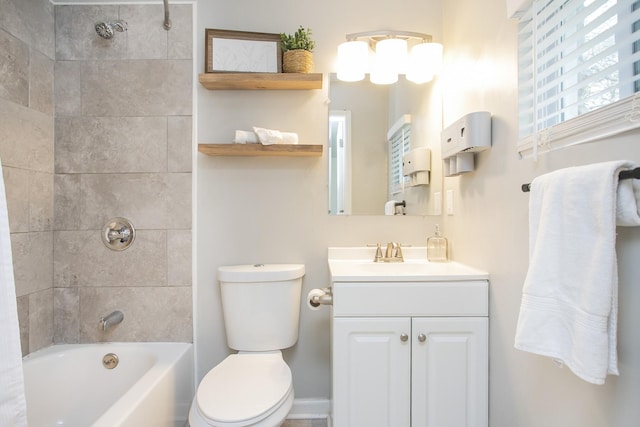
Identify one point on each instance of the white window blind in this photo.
(399, 144)
(579, 71)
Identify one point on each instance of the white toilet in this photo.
(261, 307)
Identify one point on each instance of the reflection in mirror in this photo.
(360, 169)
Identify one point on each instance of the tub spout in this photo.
(111, 319)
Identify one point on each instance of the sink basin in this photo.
(415, 287)
(356, 265)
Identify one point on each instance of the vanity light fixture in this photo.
(385, 54)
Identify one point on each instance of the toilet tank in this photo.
(261, 305)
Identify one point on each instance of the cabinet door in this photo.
(371, 372)
(450, 372)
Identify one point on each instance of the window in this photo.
(399, 137)
(579, 71)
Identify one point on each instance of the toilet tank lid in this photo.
(260, 272)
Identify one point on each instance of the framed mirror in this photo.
(363, 165)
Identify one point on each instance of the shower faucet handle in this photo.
(118, 234)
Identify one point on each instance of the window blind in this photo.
(399, 145)
(579, 71)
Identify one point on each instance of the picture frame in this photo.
(228, 51)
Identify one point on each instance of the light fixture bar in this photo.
(389, 33)
(388, 54)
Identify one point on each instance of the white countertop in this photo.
(355, 264)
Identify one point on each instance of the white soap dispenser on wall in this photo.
(468, 135)
(416, 164)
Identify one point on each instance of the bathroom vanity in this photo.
(409, 341)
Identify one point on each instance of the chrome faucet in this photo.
(111, 319)
(393, 253)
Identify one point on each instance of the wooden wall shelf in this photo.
(292, 150)
(261, 81)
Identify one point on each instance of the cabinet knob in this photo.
(422, 337)
(404, 337)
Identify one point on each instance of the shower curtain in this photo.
(12, 401)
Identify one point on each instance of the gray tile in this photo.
(153, 201)
(137, 88)
(181, 33)
(68, 207)
(16, 183)
(23, 320)
(40, 319)
(82, 260)
(30, 21)
(14, 69)
(76, 37)
(147, 39)
(41, 83)
(178, 209)
(26, 138)
(179, 257)
(66, 309)
(68, 99)
(110, 144)
(180, 143)
(32, 261)
(150, 314)
(40, 201)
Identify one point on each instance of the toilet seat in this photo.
(244, 389)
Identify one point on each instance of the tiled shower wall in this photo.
(26, 149)
(123, 135)
(123, 141)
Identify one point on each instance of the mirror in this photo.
(360, 116)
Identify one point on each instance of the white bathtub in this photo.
(67, 385)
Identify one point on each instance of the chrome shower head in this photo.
(107, 30)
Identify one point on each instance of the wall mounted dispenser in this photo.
(416, 164)
(468, 135)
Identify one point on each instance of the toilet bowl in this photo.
(254, 387)
(245, 389)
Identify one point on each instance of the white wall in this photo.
(489, 230)
(275, 209)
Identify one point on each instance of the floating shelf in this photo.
(292, 150)
(261, 81)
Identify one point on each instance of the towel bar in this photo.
(628, 174)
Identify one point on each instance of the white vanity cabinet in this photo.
(410, 354)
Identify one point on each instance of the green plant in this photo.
(301, 39)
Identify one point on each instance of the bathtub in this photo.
(67, 385)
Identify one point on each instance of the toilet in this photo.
(254, 387)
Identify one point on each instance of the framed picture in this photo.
(229, 51)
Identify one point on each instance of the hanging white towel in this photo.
(12, 400)
(569, 305)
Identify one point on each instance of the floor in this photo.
(305, 423)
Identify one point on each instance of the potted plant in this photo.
(297, 48)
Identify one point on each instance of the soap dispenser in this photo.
(437, 247)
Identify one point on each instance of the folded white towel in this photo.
(245, 137)
(271, 136)
(570, 296)
(12, 401)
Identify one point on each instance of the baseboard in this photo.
(307, 409)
